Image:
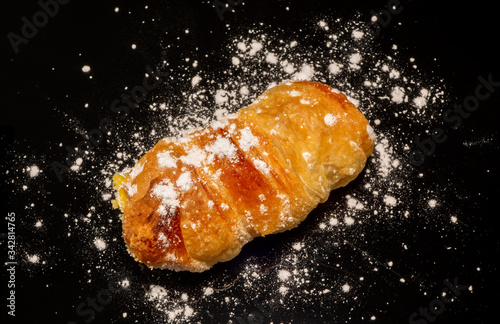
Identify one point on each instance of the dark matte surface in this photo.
(460, 37)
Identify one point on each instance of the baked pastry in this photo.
(194, 201)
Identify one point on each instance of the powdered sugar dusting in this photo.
(398, 95)
(100, 244)
(195, 157)
(33, 171)
(223, 148)
(184, 182)
(248, 140)
(166, 160)
(261, 166)
(168, 194)
(330, 119)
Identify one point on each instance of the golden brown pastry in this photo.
(194, 201)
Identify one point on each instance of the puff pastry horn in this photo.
(194, 201)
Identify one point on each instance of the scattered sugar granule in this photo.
(349, 220)
(244, 91)
(241, 46)
(255, 46)
(39, 224)
(86, 69)
(33, 258)
(354, 203)
(346, 288)
(34, 171)
(334, 68)
(390, 200)
(248, 139)
(222, 147)
(371, 132)
(261, 166)
(194, 157)
(432, 203)
(166, 160)
(284, 274)
(357, 34)
(288, 68)
(100, 244)
(394, 74)
(78, 162)
(330, 119)
(271, 58)
(136, 170)
(384, 156)
(125, 283)
(305, 73)
(167, 194)
(131, 189)
(421, 101)
(398, 95)
(184, 182)
(323, 25)
(283, 290)
(208, 291)
(196, 79)
(355, 58)
(188, 311)
(156, 293)
(221, 96)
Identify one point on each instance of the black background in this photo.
(458, 39)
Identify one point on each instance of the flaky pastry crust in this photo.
(194, 201)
